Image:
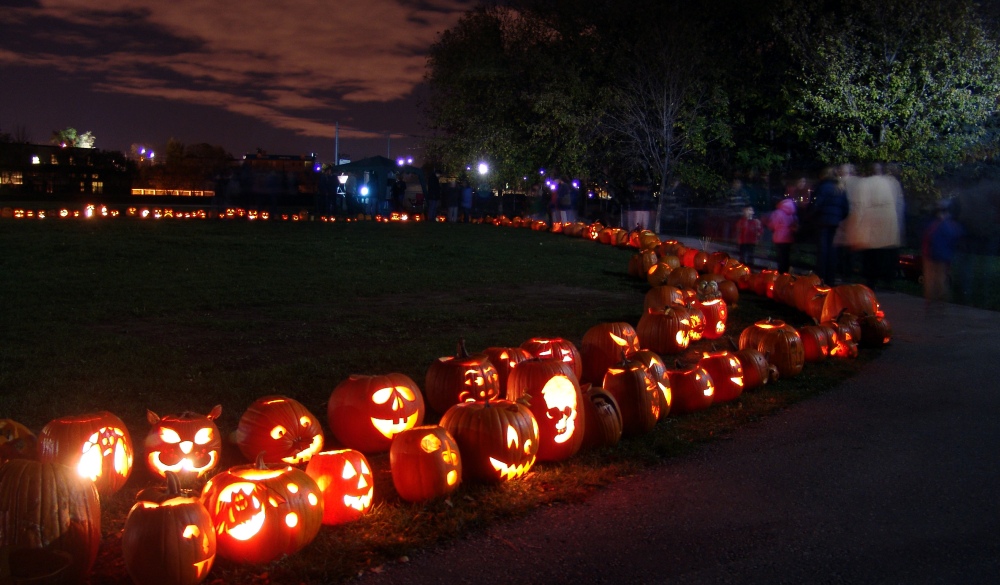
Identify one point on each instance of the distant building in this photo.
(39, 171)
(282, 174)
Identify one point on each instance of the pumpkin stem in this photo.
(173, 484)
(260, 464)
(461, 352)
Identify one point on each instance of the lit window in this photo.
(97, 187)
(35, 160)
(53, 160)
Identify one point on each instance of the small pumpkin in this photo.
(505, 359)
(425, 463)
(779, 341)
(692, 387)
(636, 394)
(602, 418)
(280, 428)
(603, 345)
(461, 377)
(187, 444)
(345, 479)
(726, 373)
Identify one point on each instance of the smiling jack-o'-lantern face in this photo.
(281, 428)
(498, 440)
(345, 479)
(260, 513)
(366, 412)
(97, 445)
(187, 444)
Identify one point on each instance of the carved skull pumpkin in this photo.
(187, 444)
(281, 428)
(366, 412)
(168, 537)
(498, 439)
(554, 397)
(261, 513)
(425, 463)
(96, 445)
(345, 479)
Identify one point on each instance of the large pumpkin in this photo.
(262, 512)
(50, 506)
(726, 373)
(169, 538)
(657, 371)
(716, 313)
(281, 429)
(97, 445)
(553, 394)
(662, 297)
(458, 378)
(498, 440)
(604, 345)
(187, 444)
(366, 412)
(345, 479)
(856, 299)
(781, 344)
(425, 463)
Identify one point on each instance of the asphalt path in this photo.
(892, 477)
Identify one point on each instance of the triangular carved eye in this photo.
(512, 440)
(349, 471)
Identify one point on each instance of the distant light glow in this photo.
(483, 168)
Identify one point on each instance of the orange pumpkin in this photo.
(604, 345)
(425, 463)
(498, 439)
(636, 394)
(345, 480)
(281, 429)
(454, 379)
(554, 398)
(504, 359)
(188, 445)
(97, 445)
(692, 387)
(602, 418)
(366, 412)
(726, 373)
(667, 331)
(556, 348)
(781, 344)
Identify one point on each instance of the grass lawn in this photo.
(126, 315)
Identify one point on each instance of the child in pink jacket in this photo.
(783, 222)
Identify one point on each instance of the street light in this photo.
(483, 168)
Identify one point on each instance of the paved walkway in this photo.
(893, 477)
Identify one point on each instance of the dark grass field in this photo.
(125, 315)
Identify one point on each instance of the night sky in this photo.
(243, 74)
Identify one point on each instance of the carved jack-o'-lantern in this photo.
(603, 346)
(693, 389)
(366, 412)
(505, 359)
(460, 378)
(498, 440)
(96, 445)
(726, 373)
(261, 513)
(425, 463)
(345, 479)
(16, 441)
(716, 312)
(187, 444)
(667, 331)
(281, 428)
(554, 397)
(657, 370)
(556, 348)
(168, 537)
(637, 395)
(780, 342)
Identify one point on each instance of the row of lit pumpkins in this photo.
(256, 513)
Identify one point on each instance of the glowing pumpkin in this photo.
(716, 312)
(693, 389)
(637, 395)
(554, 397)
(261, 512)
(425, 463)
(856, 299)
(345, 479)
(665, 332)
(504, 359)
(97, 445)
(169, 538)
(556, 348)
(366, 412)
(662, 297)
(875, 330)
(281, 429)
(188, 445)
(726, 373)
(756, 369)
(458, 378)
(498, 440)
(657, 371)
(603, 346)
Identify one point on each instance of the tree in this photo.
(667, 107)
(70, 138)
(906, 81)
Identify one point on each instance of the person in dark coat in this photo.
(829, 208)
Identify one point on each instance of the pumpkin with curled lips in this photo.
(187, 444)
